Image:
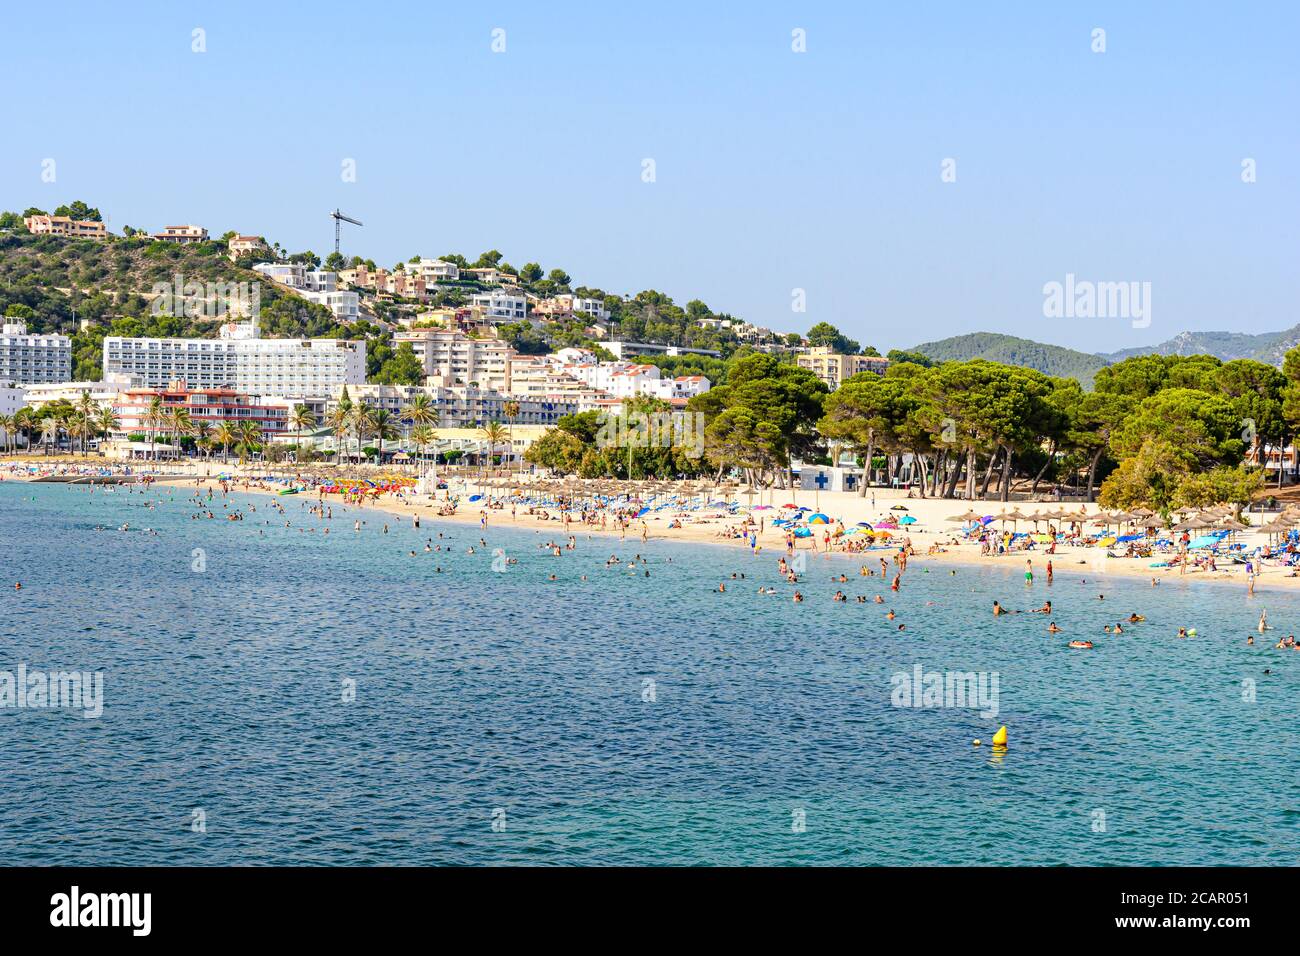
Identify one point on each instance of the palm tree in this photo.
(494, 434)
(423, 437)
(300, 420)
(361, 416)
(181, 425)
(202, 431)
(338, 421)
(249, 435)
(384, 425)
(153, 420)
(106, 421)
(25, 421)
(78, 425)
(224, 436)
(7, 426)
(511, 408)
(88, 408)
(49, 432)
(421, 410)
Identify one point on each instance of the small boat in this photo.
(287, 491)
(1082, 645)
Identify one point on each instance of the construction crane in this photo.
(339, 219)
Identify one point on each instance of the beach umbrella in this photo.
(967, 516)
(818, 518)
(907, 519)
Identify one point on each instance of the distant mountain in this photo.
(1264, 347)
(1048, 359)
(1268, 347)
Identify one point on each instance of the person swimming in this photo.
(1053, 629)
(998, 609)
(1135, 618)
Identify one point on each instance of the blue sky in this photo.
(775, 170)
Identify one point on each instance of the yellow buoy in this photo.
(1000, 738)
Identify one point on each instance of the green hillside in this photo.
(54, 284)
(1049, 359)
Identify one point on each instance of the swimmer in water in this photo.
(1135, 618)
(998, 609)
(1053, 629)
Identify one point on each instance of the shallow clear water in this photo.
(479, 692)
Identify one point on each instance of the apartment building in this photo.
(834, 367)
(534, 377)
(101, 393)
(65, 226)
(212, 407)
(502, 305)
(314, 285)
(435, 270)
(27, 359)
(490, 276)
(460, 406)
(253, 365)
(623, 380)
(454, 358)
(182, 234)
(562, 307)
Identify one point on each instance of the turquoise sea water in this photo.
(485, 695)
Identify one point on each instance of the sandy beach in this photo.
(933, 537)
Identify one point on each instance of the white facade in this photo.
(458, 359)
(102, 393)
(28, 359)
(625, 380)
(346, 306)
(314, 285)
(501, 305)
(306, 367)
(11, 400)
(435, 270)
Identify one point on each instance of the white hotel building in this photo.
(451, 357)
(306, 368)
(29, 359)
